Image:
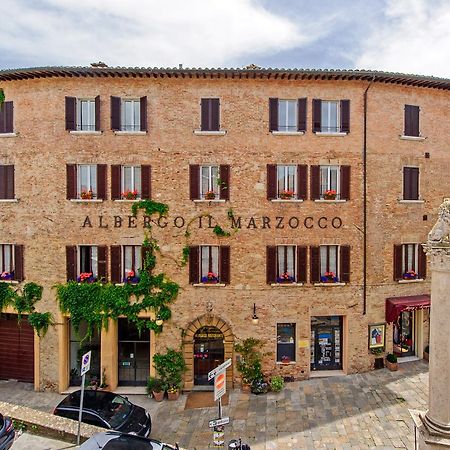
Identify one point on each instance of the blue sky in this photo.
(411, 36)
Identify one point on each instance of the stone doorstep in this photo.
(45, 424)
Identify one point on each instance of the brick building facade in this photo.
(332, 177)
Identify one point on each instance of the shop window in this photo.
(285, 342)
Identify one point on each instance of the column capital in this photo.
(439, 255)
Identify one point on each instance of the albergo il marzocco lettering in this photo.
(235, 222)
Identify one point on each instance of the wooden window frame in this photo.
(133, 260)
(285, 128)
(133, 179)
(338, 264)
(415, 257)
(212, 184)
(338, 180)
(210, 262)
(136, 126)
(90, 247)
(403, 183)
(79, 118)
(91, 167)
(2, 258)
(285, 179)
(326, 129)
(295, 268)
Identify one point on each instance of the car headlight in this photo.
(133, 433)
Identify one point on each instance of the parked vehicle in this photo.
(106, 410)
(113, 440)
(7, 433)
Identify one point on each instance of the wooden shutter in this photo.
(411, 120)
(302, 264)
(144, 113)
(271, 264)
(146, 181)
(71, 182)
(225, 182)
(7, 182)
(302, 182)
(71, 262)
(97, 113)
(271, 181)
(398, 262)
(273, 114)
(115, 113)
(205, 114)
(410, 183)
(345, 116)
(345, 183)
(315, 264)
(224, 276)
(19, 274)
(215, 114)
(301, 114)
(116, 182)
(116, 264)
(315, 183)
(3, 182)
(71, 113)
(102, 263)
(101, 181)
(9, 117)
(422, 269)
(344, 267)
(316, 115)
(193, 264)
(194, 181)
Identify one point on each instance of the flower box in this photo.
(285, 278)
(410, 275)
(86, 277)
(211, 277)
(131, 277)
(7, 276)
(330, 194)
(130, 195)
(285, 359)
(210, 195)
(329, 277)
(287, 195)
(87, 195)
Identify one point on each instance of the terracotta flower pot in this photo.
(158, 396)
(392, 366)
(173, 395)
(246, 387)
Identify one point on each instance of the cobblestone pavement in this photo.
(359, 411)
(30, 442)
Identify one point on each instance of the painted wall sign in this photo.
(236, 222)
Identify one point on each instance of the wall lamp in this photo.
(159, 321)
(255, 318)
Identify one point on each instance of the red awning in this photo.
(395, 305)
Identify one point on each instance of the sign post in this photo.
(220, 387)
(85, 367)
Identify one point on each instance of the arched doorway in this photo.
(209, 352)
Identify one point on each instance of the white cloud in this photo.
(146, 32)
(414, 39)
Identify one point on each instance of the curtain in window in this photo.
(208, 181)
(287, 115)
(86, 115)
(6, 258)
(131, 115)
(329, 116)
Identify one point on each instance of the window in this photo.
(287, 182)
(87, 181)
(412, 121)
(410, 183)
(329, 267)
(132, 263)
(209, 182)
(410, 262)
(6, 262)
(7, 182)
(209, 264)
(287, 115)
(85, 115)
(286, 267)
(329, 182)
(87, 263)
(131, 182)
(285, 342)
(330, 119)
(210, 114)
(6, 118)
(131, 115)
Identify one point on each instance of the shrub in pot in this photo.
(170, 367)
(155, 387)
(391, 362)
(249, 364)
(276, 383)
(259, 387)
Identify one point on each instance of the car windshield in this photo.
(115, 411)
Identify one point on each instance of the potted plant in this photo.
(87, 195)
(329, 277)
(285, 359)
(170, 367)
(426, 353)
(285, 278)
(173, 392)
(131, 277)
(155, 388)
(410, 275)
(130, 195)
(391, 362)
(86, 277)
(211, 278)
(6, 276)
(287, 194)
(330, 194)
(249, 362)
(276, 383)
(259, 386)
(210, 195)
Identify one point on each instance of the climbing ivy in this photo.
(2, 97)
(24, 303)
(96, 303)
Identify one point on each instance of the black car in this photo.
(106, 410)
(6, 433)
(113, 440)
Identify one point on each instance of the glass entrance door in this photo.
(208, 353)
(404, 331)
(326, 343)
(134, 354)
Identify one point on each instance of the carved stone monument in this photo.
(433, 427)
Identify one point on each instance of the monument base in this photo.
(424, 437)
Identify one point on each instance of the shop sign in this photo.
(218, 369)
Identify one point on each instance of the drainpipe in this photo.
(365, 200)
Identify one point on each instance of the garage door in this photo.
(16, 349)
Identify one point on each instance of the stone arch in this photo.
(188, 346)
